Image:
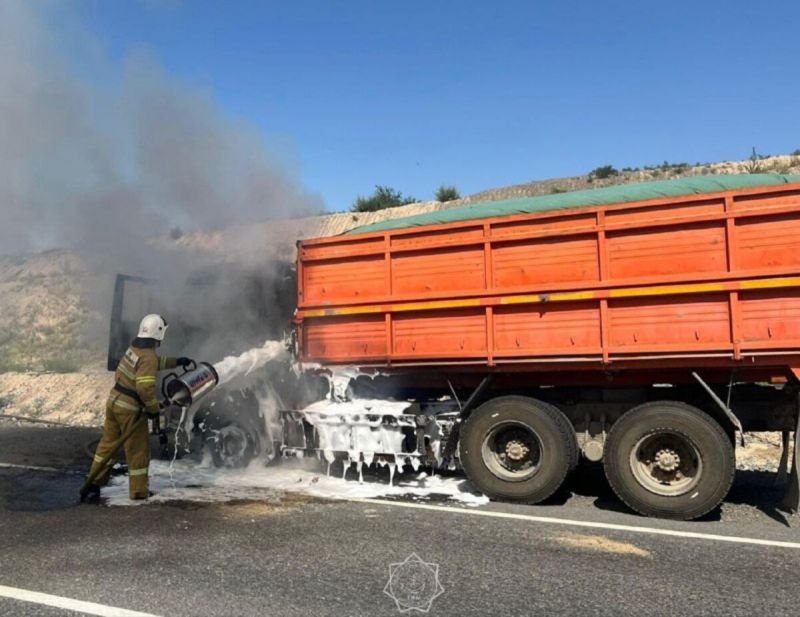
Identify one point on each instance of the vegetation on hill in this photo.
(447, 193)
(383, 197)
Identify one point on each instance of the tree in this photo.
(383, 197)
(606, 171)
(447, 193)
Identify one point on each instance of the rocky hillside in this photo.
(784, 164)
(44, 313)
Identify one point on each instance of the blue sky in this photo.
(478, 94)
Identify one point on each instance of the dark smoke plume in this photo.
(97, 167)
(106, 158)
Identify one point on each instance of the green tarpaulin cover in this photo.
(623, 193)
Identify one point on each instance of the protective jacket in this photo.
(135, 379)
(134, 391)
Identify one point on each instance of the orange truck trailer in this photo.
(643, 326)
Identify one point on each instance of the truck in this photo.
(642, 327)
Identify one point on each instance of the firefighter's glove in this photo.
(184, 362)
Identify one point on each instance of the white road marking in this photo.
(31, 467)
(89, 608)
(591, 524)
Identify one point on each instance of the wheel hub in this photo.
(516, 450)
(667, 460)
(512, 451)
(666, 463)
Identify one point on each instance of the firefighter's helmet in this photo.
(153, 326)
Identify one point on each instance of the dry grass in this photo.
(600, 544)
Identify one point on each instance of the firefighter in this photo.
(134, 393)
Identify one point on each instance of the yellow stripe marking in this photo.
(436, 304)
(126, 405)
(129, 374)
(770, 283)
(665, 290)
(567, 296)
(98, 458)
(145, 379)
(138, 472)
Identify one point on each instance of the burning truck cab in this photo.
(214, 312)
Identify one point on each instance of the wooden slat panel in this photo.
(341, 248)
(688, 321)
(672, 250)
(545, 261)
(764, 242)
(437, 237)
(345, 337)
(342, 280)
(539, 330)
(782, 199)
(650, 214)
(571, 222)
(439, 270)
(770, 315)
(449, 333)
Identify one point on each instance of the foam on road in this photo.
(191, 481)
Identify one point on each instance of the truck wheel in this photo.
(670, 460)
(233, 447)
(515, 448)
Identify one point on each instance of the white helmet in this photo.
(153, 326)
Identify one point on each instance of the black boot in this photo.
(92, 494)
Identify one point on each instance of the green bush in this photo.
(447, 193)
(383, 197)
(606, 171)
(754, 165)
(13, 366)
(60, 365)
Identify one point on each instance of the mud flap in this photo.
(791, 498)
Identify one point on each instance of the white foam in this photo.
(357, 427)
(357, 406)
(202, 482)
(244, 364)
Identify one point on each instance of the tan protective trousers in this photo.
(137, 448)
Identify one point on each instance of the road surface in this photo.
(582, 552)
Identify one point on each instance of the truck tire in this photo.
(515, 448)
(670, 460)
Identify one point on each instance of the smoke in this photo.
(106, 157)
(102, 156)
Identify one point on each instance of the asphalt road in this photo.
(296, 555)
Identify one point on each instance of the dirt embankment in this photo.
(72, 398)
(44, 313)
